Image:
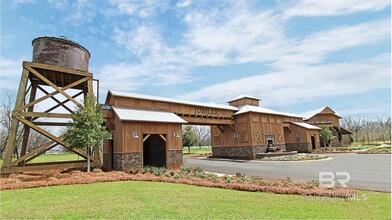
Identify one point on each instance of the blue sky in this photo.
(294, 55)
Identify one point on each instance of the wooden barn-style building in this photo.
(147, 130)
(326, 117)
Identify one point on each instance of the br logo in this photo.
(329, 179)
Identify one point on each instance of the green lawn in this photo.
(197, 151)
(52, 157)
(120, 200)
(380, 149)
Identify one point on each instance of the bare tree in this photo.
(354, 124)
(202, 133)
(6, 109)
(35, 139)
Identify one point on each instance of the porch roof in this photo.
(128, 114)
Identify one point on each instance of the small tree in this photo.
(86, 131)
(202, 133)
(325, 135)
(189, 137)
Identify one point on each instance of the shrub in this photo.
(159, 171)
(213, 177)
(228, 179)
(168, 175)
(146, 169)
(240, 174)
(200, 174)
(240, 179)
(134, 170)
(256, 179)
(288, 182)
(197, 169)
(177, 176)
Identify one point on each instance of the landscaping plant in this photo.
(86, 130)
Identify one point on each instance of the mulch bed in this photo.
(57, 178)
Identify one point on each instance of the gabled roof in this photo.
(258, 109)
(345, 131)
(244, 96)
(127, 114)
(310, 114)
(157, 98)
(306, 125)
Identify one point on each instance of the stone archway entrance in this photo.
(154, 150)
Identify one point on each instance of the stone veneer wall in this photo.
(304, 147)
(245, 152)
(175, 159)
(123, 161)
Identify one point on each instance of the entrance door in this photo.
(154, 151)
(313, 139)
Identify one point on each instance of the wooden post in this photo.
(10, 147)
(26, 133)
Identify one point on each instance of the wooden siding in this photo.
(214, 115)
(324, 119)
(271, 126)
(244, 101)
(304, 135)
(250, 129)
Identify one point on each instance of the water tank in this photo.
(60, 52)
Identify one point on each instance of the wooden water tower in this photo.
(59, 68)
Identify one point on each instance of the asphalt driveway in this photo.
(368, 171)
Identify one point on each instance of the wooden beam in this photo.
(56, 100)
(60, 165)
(36, 155)
(33, 152)
(26, 132)
(57, 69)
(207, 121)
(44, 123)
(49, 135)
(37, 74)
(221, 128)
(52, 94)
(10, 147)
(163, 137)
(42, 115)
(146, 137)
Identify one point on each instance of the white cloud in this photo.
(142, 40)
(10, 72)
(184, 3)
(140, 8)
(19, 2)
(332, 7)
(305, 83)
(238, 34)
(59, 4)
(313, 48)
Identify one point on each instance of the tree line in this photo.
(365, 130)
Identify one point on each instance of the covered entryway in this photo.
(313, 140)
(154, 150)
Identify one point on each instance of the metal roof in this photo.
(127, 114)
(156, 98)
(244, 96)
(306, 125)
(258, 109)
(310, 114)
